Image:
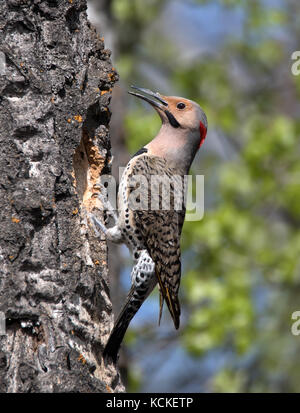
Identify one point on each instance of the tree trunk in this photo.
(104, 22)
(56, 80)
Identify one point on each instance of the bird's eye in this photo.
(180, 105)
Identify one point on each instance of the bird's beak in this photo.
(154, 99)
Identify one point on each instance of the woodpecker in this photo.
(153, 235)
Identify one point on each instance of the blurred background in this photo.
(241, 262)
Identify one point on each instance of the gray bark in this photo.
(55, 91)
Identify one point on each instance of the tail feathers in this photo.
(172, 302)
(112, 347)
(174, 308)
(111, 350)
(161, 305)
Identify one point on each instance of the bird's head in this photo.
(184, 126)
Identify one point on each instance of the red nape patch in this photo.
(203, 132)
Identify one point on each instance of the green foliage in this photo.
(229, 381)
(251, 236)
(141, 127)
(134, 379)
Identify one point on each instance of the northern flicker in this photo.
(153, 234)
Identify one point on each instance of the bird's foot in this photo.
(113, 234)
(103, 196)
(98, 225)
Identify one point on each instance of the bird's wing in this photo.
(161, 228)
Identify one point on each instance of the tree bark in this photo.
(56, 81)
